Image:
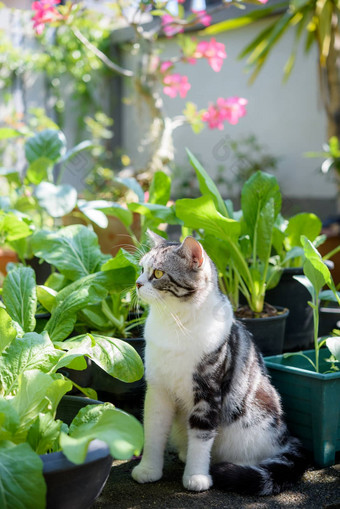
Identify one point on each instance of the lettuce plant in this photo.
(289, 246)
(317, 275)
(31, 389)
(239, 243)
(87, 291)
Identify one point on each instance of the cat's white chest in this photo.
(173, 353)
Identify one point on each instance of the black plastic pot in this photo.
(292, 295)
(126, 396)
(71, 486)
(268, 332)
(41, 268)
(329, 319)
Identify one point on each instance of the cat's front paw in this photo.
(143, 473)
(197, 482)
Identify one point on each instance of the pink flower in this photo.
(189, 60)
(213, 117)
(212, 50)
(45, 13)
(203, 17)
(176, 84)
(170, 25)
(230, 110)
(165, 66)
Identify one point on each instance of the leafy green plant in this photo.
(240, 244)
(289, 247)
(89, 292)
(317, 275)
(31, 389)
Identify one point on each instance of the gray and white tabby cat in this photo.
(206, 382)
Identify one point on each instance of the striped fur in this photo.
(207, 383)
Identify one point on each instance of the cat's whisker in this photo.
(180, 324)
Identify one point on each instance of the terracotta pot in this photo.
(6, 256)
(112, 238)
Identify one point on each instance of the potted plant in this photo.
(241, 246)
(59, 464)
(290, 292)
(309, 382)
(104, 311)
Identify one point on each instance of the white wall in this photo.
(286, 117)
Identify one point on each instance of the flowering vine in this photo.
(159, 75)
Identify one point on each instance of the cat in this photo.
(207, 384)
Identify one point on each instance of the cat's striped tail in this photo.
(270, 477)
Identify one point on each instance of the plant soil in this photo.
(268, 311)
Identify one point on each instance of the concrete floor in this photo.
(318, 489)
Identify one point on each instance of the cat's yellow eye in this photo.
(158, 273)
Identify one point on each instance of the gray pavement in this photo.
(318, 489)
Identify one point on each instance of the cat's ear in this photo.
(155, 240)
(192, 250)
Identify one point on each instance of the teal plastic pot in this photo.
(311, 402)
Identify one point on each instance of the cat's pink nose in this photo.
(139, 285)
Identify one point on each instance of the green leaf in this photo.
(22, 483)
(207, 185)
(12, 176)
(122, 433)
(256, 193)
(301, 224)
(39, 170)
(46, 297)
(155, 212)
(328, 295)
(95, 318)
(132, 184)
(264, 231)
(9, 420)
(14, 227)
(49, 143)
(160, 188)
(8, 132)
(314, 267)
(201, 213)
(76, 150)
(36, 393)
(115, 356)
(307, 284)
(7, 331)
(73, 250)
(122, 259)
(43, 435)
(110, 208)
(333, 345)
(56, 200)
(217, 250)
(96, 216)
(32, 351)
(88, 290)
(56, 281)
(20, 297)
(241, 21)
